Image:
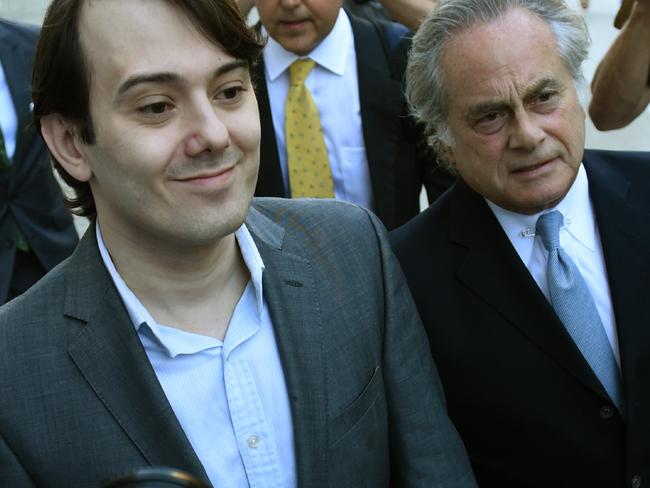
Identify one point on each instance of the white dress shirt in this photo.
(8, 117)
(579, 238)
(334, 86)
(229, 396)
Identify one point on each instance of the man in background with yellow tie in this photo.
(334, 119)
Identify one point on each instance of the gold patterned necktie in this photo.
(309, 168)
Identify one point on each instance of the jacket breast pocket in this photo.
(355, 412)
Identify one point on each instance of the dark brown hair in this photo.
(61, 78)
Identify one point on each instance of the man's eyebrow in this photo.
(497, 105)
(173, 78)
(230, 66)
(163, 78)
(486, 107)
(542, 84)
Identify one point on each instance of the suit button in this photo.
(606, 412)
(635, 482)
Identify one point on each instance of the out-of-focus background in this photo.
(599, 17)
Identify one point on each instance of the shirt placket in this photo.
(255, 445)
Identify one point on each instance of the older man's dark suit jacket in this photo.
(29, 196)
(398, 158)
(527, 405)
(79, 400)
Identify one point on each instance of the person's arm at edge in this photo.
(410, 13)
(620, 86)
(426, 450)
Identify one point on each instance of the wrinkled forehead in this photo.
(504, 57)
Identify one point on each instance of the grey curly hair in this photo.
(424, 80)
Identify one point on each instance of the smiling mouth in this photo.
(207, 177)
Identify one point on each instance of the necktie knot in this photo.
(299, 70)
(548, 229)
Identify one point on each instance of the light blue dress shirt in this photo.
(229, 396)
(579, 238)
(8, 117)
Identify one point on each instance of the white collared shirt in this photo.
(8, 117)
(579, 238)
(229, 396)
(334, 86)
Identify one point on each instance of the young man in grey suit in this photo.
(271, 344)
(36, 230)
(540, 325)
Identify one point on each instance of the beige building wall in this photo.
(31, 11)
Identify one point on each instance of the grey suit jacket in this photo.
(80, 402)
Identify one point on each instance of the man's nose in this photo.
(208, 132)
(290, 3)
(526, 132)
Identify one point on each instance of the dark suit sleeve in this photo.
(426, 450)
(11, 471)
(434, 177)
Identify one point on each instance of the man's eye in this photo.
(490, 122)
(231, 93)
(155, 109)
(545, 97)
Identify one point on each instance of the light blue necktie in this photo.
(575, 307)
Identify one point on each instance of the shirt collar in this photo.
(138, 313)
(327, 54)
(575, 207)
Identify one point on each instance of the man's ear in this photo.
(62, 140)
(444, 152)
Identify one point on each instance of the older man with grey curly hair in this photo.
(540, 330)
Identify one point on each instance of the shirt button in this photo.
(635, 482)
(253, 442)
(606, 412)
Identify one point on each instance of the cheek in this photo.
(244, 129)
(568, 126)
(483, 151)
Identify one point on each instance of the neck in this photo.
(192, 288)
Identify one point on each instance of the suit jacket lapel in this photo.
(110, 356)
(292, 297)
(493, 270)
(269, 182)
(625, 237)
(381, 104)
